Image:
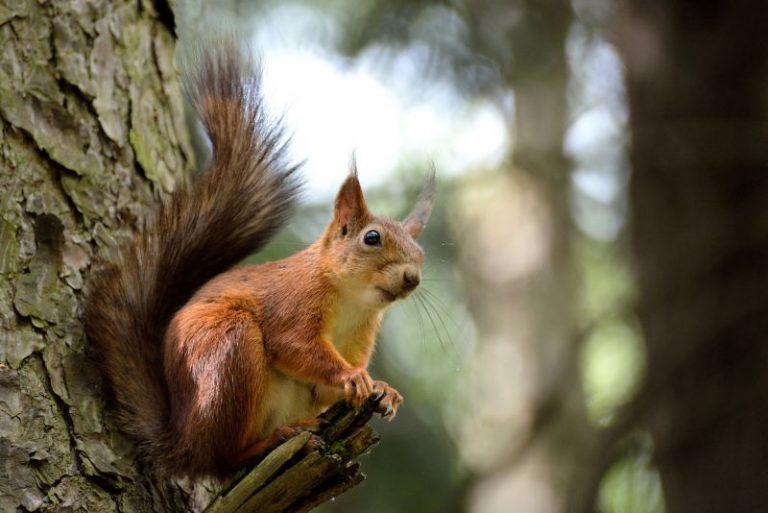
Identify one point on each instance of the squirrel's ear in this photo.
(350, 208)
(417, 219)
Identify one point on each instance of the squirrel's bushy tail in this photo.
(227, 213)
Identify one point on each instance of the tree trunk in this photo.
(523, 292)
(93, 131)
(697, 76)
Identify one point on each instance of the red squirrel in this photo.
(212, 365)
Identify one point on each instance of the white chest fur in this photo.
(351, 330)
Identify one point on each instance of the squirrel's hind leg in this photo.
(259, 449)
(217, 377)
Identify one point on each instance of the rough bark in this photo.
(697, 76)
(293, 481)
(93, 131)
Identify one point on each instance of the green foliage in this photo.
(612, 362)
(631, 485)
(612, 356)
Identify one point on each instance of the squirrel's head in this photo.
(372, 259)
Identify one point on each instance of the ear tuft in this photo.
(417, 219)
(350, 207)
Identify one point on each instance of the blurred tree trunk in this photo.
(560, 428)
(93, 131)
(524, 307)
(697, 79)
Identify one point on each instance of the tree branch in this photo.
(291, 480)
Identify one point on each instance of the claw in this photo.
(388, 400)
(314, 443)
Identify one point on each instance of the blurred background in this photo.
(522, 351)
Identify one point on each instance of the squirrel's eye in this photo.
(372, 238)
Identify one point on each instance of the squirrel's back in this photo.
(227, 213)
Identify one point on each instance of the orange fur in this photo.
(294, 327)
(213, 365)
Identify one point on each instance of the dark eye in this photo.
(372, 238)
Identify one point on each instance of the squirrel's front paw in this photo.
(358, 385)
(390, 400)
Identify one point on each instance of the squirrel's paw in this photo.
(389, 400)
(358, 385)
(315, 443)
(314, 426)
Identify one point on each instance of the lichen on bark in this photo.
(93, 133)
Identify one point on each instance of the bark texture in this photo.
(93, 132)
(697, 76)
(292, 480)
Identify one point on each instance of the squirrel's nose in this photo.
(411, 280)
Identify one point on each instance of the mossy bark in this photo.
(93, 133)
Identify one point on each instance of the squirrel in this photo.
(212, 365)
